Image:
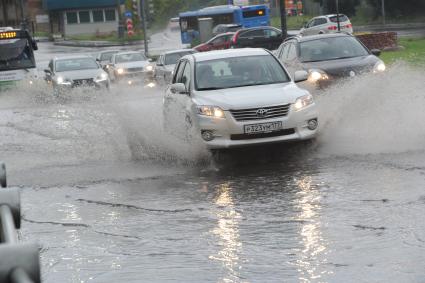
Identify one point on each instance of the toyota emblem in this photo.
(261, 112)
(352, 74)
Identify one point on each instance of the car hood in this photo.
(342, 67)
(136, 64)
(80, 74)
(251, 96)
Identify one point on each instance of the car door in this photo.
(290, 57)
(250, 38)
(218, 43)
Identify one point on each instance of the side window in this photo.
(320, 21)
(253, 33)
(271, 33)
(218, 40)
(185, 79)
(179, 71)
(310, 23)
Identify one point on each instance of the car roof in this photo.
(129, 52)
(228, 53)
(256, 28)
(319, 36)
(177, 51)
(66, 57)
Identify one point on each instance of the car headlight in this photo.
(303, 101)
(62, 81)
(379, 67)
(211, 111)
(120, 71)
(149, 68)
(317, 75)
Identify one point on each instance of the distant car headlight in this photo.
(149, 68)
(102, 77)
(120, 71)
(303, 101)
(211, 111)
(59, 80)
(317, 75)
(379, 67)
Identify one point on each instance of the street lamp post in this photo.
(24, 19)
(383, 11)
(337, 15)
(120, 23)
(283, 19)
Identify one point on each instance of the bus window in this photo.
(188, 23)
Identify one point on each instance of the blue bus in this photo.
(246, 16)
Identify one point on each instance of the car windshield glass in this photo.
(171, 59)
(106, 56)
(64, 65)
(130, 57)
(16, 54)
(331, 48)
(238, 72)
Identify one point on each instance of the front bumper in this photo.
(229, 133)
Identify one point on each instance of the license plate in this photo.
(263, 127)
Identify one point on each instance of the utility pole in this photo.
(283, 25)
(337, 15)
(24, 19)
(120, 23)
(145, 36)
(383, 11)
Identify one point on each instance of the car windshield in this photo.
(106, 56)
(238, 72)
(130, 57)
(171, 59)
(75, 64)
(16, 54)
(331, 48)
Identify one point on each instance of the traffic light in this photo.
(129, 23)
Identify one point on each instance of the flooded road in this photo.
(110, 197)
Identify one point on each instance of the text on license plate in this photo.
(263, 127)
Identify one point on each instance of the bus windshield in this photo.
(16, 54)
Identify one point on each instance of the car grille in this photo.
(83, 82)
(140, 69)
(284, 132)
(260, 113)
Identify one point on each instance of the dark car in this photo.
(262, 37)
(328, 57)
(223, 28)
(221, 41)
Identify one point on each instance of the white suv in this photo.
(327, 24)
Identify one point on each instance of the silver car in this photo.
(239, 97)
(129, 67)
(327, 24)
(64, 73)
(166, 62)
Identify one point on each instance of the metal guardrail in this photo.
(19, 263)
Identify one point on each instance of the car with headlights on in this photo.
(166, 62)
(329, 57)
(104, 57)
(67, 72)
(130, 67)
(238, 97)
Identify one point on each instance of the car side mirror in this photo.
(159, 64)
(300, 76)
(150, 60)
(376, 52)
(47, 71)
(178, 88)
(97, 59)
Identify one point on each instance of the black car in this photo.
(328, 57)
(262, 37)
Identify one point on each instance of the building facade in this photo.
(82, 17)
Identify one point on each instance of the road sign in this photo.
(128, 14)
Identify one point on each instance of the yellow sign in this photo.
(7, 34)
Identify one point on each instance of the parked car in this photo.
(166, 62)
(67, 72)
(221, 41)
(223, 28)
(327, 24)
(328, 57)
(104, 57)
(130, 67)
(262, 37)
(239, 97)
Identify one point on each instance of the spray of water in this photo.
(375, 113)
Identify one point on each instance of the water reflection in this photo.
(314, 250)
(228, 232)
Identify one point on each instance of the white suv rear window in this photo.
(342, 18)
